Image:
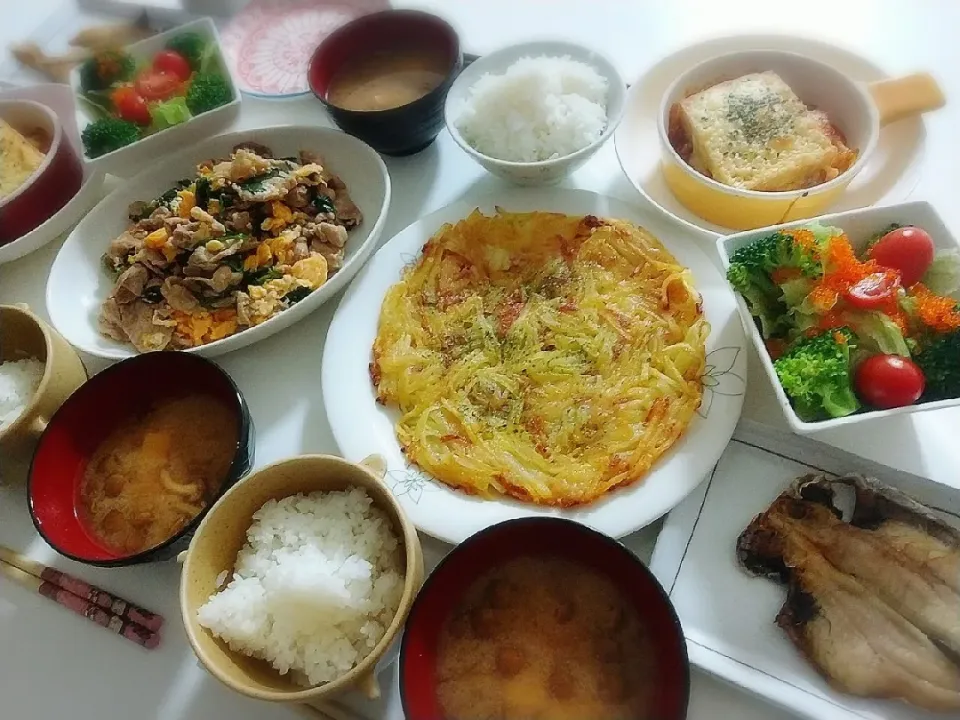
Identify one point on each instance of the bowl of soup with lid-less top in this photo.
(384, 78)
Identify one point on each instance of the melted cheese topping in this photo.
(18, 160)
(544, 356)
(755, 133)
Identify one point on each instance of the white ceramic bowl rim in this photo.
(855, 89)
(55, 140)
(600, 62)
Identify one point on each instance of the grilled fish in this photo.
(874, 620)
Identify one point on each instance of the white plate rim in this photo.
(198, 152)
(713, 46)
(360, 427)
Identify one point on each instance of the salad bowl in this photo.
(170, 125)
(861, 227)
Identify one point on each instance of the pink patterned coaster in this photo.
(269, 43)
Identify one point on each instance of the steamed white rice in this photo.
(541, 108)
(315, 587)
(19, 380)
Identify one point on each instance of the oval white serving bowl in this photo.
(545, 172)
(78, 284)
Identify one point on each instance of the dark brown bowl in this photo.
(540, 536)
(53, 184)
(402, 130)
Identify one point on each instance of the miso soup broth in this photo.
(154, 474)
(387, 78)
(544, 637)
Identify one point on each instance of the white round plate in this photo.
(361, 426)
(78, 284)
(58, 98)
(890, 176)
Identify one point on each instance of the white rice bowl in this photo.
(19, 382)
(540, 108)
(315, 587)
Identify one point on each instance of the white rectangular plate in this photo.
(728, 615)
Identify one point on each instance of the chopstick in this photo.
(104, 608)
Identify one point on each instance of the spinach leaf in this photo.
(258, 182)
(297, 294)
(261, 275)
(322, 204)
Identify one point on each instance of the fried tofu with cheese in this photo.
(754, 133)
(19, 159)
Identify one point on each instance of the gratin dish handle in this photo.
(375, 464)
(906, 96)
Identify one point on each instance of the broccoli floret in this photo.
(105, 68)
(207, 92)
(758, 270)
(191, 45)
(816, 374)
(108, 134)
(939, 359)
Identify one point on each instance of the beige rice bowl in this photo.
(315, 587)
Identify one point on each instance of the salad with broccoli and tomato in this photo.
(131, 100)
(849, 330)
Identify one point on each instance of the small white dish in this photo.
(728, 615)
(131, 159)
(889, 176)
(546, 172)
(361, 426)
(77, 284)
(859, 225)
(60, 99)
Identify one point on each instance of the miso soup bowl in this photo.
(109, 401)
(858, 110)
(222, 534)
(541, 536)
(402, 130)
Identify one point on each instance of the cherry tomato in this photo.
(873, 291)
(155, 85)
(170, 61)
(130, 105)
(908, 250)
(889, 381)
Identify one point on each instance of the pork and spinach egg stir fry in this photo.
(245, 239)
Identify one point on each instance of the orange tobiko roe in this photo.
(843, 271)
(935, 311)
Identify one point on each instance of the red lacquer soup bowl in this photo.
(537, 537)
(104, 403)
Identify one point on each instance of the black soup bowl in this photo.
(402, 130)
(109, 401)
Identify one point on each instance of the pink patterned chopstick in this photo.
(130, 630)
(103, 608)
(114, 605)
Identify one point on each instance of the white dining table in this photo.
(54, 666)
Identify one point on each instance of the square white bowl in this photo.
(859, 225)
(131, 159)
